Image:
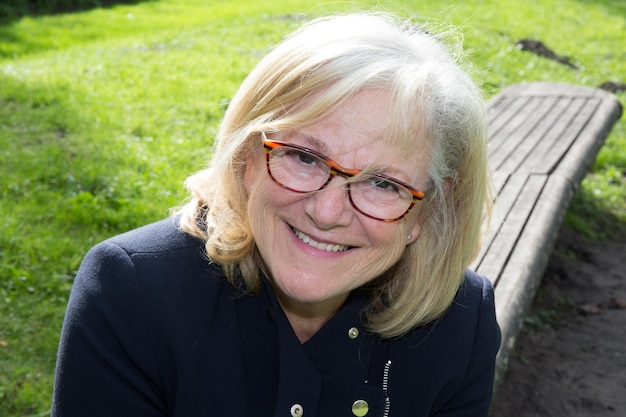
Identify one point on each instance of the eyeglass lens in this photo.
(374, 196)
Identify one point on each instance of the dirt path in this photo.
(570, 359)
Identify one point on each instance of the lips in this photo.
(319, 245)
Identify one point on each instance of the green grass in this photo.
(104, 113)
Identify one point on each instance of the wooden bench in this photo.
(543, 139)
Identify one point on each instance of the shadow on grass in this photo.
(588, 216)
(613, 7)
(15, 42)
(11, 10)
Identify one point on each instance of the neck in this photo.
(305, 328)
(306, 319)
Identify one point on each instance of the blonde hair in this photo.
(432, 101)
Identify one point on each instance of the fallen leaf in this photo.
(617, 304)
(590, 309)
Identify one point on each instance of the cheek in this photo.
(268, 204)
(390, 242)
(259, 201)
(262, 190)
(388, 250)
(260, 214)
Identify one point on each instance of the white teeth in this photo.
(319, 245)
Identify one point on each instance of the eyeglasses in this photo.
(303, 170)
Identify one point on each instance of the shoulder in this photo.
(161, 236)
(156, 269)
(475, 292)
(154, 245)
(158, 256)
(456, 351)
(471, 312)
(466, 335)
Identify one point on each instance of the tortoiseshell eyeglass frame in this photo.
(334, 170)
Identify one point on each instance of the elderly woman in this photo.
(319, 268)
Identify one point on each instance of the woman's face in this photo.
(316, 247)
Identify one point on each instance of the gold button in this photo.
(297, 410)
(360, 408)
(353, 333)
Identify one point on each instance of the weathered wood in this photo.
(518, 141)
(543, 139)
(503, 116)
(521, 275)
(518, 200)
(539, 125)
(559, 138)
(507, 195)
(580, 157)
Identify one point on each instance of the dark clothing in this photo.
(153, 329)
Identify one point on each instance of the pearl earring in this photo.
(409, 237)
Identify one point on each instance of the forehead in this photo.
(361, 132)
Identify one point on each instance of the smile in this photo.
(319, 245)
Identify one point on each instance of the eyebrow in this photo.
(318, 145)
(313, 142)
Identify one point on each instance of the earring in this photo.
(409, 237)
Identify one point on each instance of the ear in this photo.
(251, 173)
(414, 231)
(248, 175)
(415, 228)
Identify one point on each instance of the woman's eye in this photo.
(301, 157)
(383, 185)
(305, 158)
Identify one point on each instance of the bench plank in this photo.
(501, 113)
(518, 200)
(522, 274)
(560, 137)
(517, 142)
(543, 139)
(507, 193)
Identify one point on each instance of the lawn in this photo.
(103, 114)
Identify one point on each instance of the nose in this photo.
(330, 207)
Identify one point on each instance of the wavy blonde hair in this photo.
(432, 98)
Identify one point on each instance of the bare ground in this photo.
(570, 359)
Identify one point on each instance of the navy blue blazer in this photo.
(152, 329)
